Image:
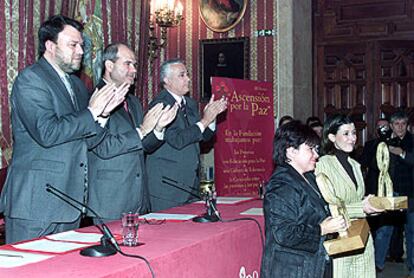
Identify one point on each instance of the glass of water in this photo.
(130, 228)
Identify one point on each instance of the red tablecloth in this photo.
(174, 249)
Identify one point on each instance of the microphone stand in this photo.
(212, 214)
(108, 245)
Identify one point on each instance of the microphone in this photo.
(103, 249)
(175, 183)
(212, 214)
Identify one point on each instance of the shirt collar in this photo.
(177, 98)
(60, 72)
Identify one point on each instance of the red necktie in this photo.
(127, 110)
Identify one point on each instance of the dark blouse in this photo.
(343, 159)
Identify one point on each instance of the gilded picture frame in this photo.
(222, 16)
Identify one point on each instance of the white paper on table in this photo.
(228, 200)
(46, 245)
(167, 216)
(24, 259)
(253, 211)
(76, 236)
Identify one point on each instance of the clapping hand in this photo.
(151, 119)
(119, 97)
(168, 115)
(104, 100)
(212, 109)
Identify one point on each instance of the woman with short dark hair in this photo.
(296, 216)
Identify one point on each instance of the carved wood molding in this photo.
(356, 20)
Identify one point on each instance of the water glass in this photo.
(130, 228)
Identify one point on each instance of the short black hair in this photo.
(313, 119)
(332, 126)
(315, 124)
(292, 134)
(50, 29)
(110, 53)
(285, 118)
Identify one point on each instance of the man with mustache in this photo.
(54, 123)
(117, 175)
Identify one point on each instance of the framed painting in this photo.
(222, 15)
(223, 58)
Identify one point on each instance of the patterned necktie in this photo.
(66, 81)
(184, 111)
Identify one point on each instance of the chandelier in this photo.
(165, 14)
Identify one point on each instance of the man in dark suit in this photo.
(177, 160)
(54, 123)
(401, 149)
(117, 175)
(368, 158)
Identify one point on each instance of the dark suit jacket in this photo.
(117, 176)
(293, 210)
(368, 162)
(50, 145)
(401, 170)
(177, 158)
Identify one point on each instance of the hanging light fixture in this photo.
(165, 14)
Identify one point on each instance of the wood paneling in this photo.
(364, 59)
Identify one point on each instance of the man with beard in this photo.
(116, 166)
(54, 122)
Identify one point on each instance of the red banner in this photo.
(243, 150)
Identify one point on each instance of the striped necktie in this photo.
(183, 109)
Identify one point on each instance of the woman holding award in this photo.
(296, 216)
(345, 176)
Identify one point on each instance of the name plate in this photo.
(389, 203)
(356, 238)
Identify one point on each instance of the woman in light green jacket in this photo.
(339, 138)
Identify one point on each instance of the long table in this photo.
(174, 249)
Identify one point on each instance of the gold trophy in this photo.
(385, 199)
(355, 237)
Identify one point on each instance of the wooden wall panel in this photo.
(364, 59)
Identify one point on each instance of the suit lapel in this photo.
(191, 117)
(54, 81)
(309, 187)
(344, 175)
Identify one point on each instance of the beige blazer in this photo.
(345, 188)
